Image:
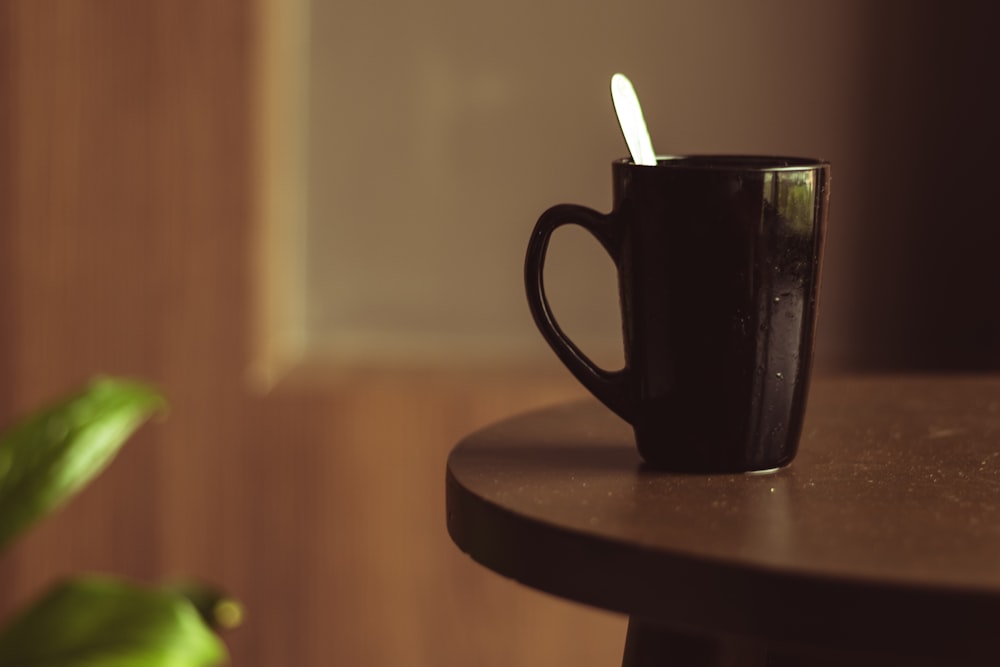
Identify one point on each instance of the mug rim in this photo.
(730, 162)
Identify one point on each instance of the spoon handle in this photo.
(631, 120)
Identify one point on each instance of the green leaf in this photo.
(103, 622)
(49, 456)
(217, 609)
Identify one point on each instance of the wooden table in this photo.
(880, 542)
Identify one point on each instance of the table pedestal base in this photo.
(651, 645)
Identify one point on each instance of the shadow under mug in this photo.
(718, 261)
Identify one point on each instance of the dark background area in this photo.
(927, 291)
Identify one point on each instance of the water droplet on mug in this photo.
(777, 299)
(779, 376)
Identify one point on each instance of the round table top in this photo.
(882, 535)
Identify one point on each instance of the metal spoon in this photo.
(631, 121)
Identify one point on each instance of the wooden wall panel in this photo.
(126, 196)
(76, 130)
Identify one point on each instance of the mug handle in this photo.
(611, 387)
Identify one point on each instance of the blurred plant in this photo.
(96, 621)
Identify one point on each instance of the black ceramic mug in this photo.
(718, 262)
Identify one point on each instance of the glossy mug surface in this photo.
(718, 261)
